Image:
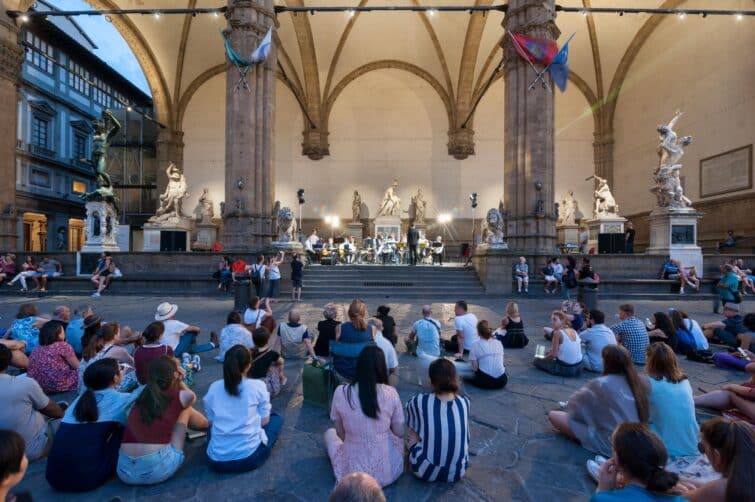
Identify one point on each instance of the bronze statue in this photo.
(105, 129)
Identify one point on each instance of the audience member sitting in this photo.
(574, 312)
(548, 274)
(28, 270)
(594, 411)
(438, 427)
(734, 400)
(355, 331)
(267, 364)
(295, 340)
(391, 358)
(465, 324)
(740, 361)
(92, 326)
(728, 287)
(585, 270)
(48, 269)
(105, 344)
(25, 409)
(258, 310)
(233, 333)
(61, 314)
(369, 423)
(153, 442)
(729, 242)
(522, 274)
(511, 333)
(425, 337)
(389, 324)
(357, 487)
(631, 333)
(688, 276)
(747, 340)
(636, 471)
(17, 349)
(728, 330)
(151, 349)
(103, 274)
(661, 329)
(326, 330)
(672, 406)
(224, 274)
(75, 328)
(25, 328)
(595, 338)
(84, 453)
(565, 356)
(7, 266)
(243, 431)
(688, 329)
(13, 464)
(730, 448)
(486, 358)
(182, 337)
(54, 364)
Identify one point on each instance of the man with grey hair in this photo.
(425, 335)
(75, 329)
(62, 314)
(357, 487)
(296, 342)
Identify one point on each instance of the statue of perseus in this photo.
(105, 129)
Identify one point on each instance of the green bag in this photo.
(318, 383)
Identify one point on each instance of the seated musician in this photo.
(438, 250)
(311, 245)
(349, 248)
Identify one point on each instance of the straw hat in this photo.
(165, 311)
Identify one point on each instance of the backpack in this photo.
(570, 278)
(257, 275)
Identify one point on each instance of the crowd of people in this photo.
(135, 408)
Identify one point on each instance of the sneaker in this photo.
(600, 459)
(562, 404)
(96, 295)
(186, 359)
(196, 361)
(681, 291)
(592, 469)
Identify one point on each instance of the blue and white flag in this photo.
(559, 68)
(261, 52)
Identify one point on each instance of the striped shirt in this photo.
(441, 454)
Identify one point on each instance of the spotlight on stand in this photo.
(473, 199)
(300, 195)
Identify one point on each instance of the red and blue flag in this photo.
(559, 67)
(536, 50)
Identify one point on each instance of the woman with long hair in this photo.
(243, 429)
(105, 344)
(662, 330)
(438, 427)
(565, 357)
(28, 270)
(672, 407)
(153, 442)
(85, 449)
(730, 448)
(636, 471)
(13, 462)
(593, 412)
(355, 331)
(369, 423)
(486, 359)
(688, 330)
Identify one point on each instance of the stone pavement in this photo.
(514, 453)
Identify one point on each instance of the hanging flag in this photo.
(559, 68)
(260, 53)
(535, 50)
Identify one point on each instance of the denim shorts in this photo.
(149, 469)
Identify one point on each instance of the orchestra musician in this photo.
(437, 250)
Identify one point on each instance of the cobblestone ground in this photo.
(514, 454)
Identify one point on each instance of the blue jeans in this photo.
(273, 287)
(188, 343)
(256, 459)
(149, 469)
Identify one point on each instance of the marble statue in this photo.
(568, 210)
(356, 207)
(604, 204)
(286, 224)
(391, 204)
(105, 129)
(492, 229)
(171, 201)
(420, 205)
(205, 211)
(668, 186)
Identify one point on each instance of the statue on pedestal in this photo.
(568, 210)
(604, 203)
(286, 224)
(391, 204)
(171, 201)
(420, 205)
(668, 186)
(492, 229)
(205, 211)
(356, 207)
(105, 129)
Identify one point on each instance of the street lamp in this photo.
(444, 219)
(333, 221)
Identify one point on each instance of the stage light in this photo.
(157, 15)
(473, 199)
(584, 13)
(350, 12)
(739, 17)
(444, 218)
(216, 14)
(129, 109)
(23, 18)
(300, 195)
(333, 220)
(432, 12)
(682, 15)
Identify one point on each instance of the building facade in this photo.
(64, 86)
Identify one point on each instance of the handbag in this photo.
(318, 384)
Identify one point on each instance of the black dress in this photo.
(327, 332)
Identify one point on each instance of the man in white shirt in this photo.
(558, 270)
(181, 337)
(594, 338)
(309, 246)
(466, 330)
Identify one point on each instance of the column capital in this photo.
(315, 143)
(461, 142)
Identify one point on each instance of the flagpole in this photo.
(521, 50)
(539, 75)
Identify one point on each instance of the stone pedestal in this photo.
(355, 229)
(494, 268)
(292, 247)
(387, 225)
(567, 234)
(673, 233)
(608, 224)
(100, 228)
(205, 237)
(153, 234)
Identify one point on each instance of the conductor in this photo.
(412, 242)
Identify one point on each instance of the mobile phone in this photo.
(191, 435)
(743, 353)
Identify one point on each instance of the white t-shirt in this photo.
(236, 420)
(254, 315)
(274, 273)
(558, 269)
(391, 358)
(173, 330)
(467, 324)
(700, 341)
(489, 356)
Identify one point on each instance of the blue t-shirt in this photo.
(428, 336)
(731, 283)
(634, 493)
(74, 333)
(113, 406)
(672, 416)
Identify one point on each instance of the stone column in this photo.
(249, 173)
(11, 57)
(528, 130)
(603, 155)
(169, 148)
